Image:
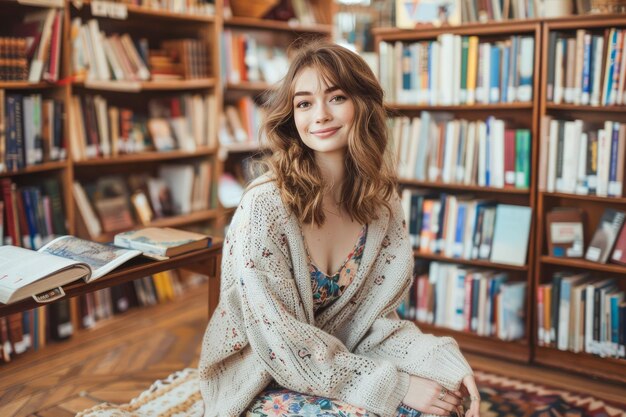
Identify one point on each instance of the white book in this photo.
(414, 139)
(96, 37)
(405, 141)
(434, 74)
(510, 235)
(179, 179)
(470, 153)
(41, 274)
(482, 154)
(456, 85)
(581, 180)
(450, 224)
(552, 155)
(497, 154)
(458, 299)
(86, 210)
(558, 73)
(446, 174)
(446, 69)
(423, 148)
(578, 70)
(597, 70)
(470, 220)
(38, 61)
(571, 142)
(526, 63)
(604, 158)
(103, 125)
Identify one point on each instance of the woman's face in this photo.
(323, 113)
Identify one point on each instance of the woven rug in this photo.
(178, 396)
(508, 397)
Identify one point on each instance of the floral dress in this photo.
(277, 401)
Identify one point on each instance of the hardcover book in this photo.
(40, 274)
(565, 232)
(605, 236)
(161, 243)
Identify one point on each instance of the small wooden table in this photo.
(204, 261)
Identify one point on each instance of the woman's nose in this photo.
(322, 115)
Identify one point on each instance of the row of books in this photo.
(579, 313)
(587, 69)
(34, 329)
(13, 59)
(292, 11)
(179, 59)
(579, 159)
(565, 235)
(244, 59)
(114, 203)
(473, 11)
(240, 122)
(466, 228)
(31, 215)
(42, 33)
(437, 148)
(31, 130)
(458, 70)
(470, 300)
(203, 7)
(98, 129)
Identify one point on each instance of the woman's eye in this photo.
(339, 98)
(303, 104)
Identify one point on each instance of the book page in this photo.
(101, 258)
(20, 267)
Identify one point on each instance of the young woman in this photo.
(315, 263)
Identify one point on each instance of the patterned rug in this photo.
(507, 397)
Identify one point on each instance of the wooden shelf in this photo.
(584, 363)
(615, 200)
(492, 346)
(252, 23)
(145, 157)
(35, 169)
(241, 147)
(468, 107)
(480, 29)
(580, 108)
(143, 11)
(249, 87)
(136, 86)
(461, 187)
(25, 85)
(135, 268)
(172, 221)
(469, 262)
(583, 264)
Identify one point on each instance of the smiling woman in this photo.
(289, 339)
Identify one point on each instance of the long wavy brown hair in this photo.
(370, 178)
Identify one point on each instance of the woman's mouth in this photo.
(325, 133)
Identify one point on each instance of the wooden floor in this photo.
(119, 360)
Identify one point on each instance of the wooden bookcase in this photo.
(272, 32)
(592, 206)
(139, 21)
(519, 115)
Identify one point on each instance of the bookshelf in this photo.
(592, 206)
(199, 21)
(246, 39)
(517, 114)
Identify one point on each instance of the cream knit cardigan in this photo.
(357, 350)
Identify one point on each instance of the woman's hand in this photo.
(431, 398)
(470, 389)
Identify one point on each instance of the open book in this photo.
(162, 242)
(40, 274)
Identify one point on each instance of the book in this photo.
(565, 232)
(511, 233)
(605, 236)
(161, 243)
(40, 274)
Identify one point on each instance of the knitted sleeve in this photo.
(298, 355)
(401, 342)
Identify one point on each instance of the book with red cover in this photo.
(564, 232)
(509, 158)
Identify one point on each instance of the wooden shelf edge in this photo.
(277, 25)
(615, 200)
(160, 13)
(25, 85)
(172, 221)
(468, 262)
(461, 107)
(582, 363)
(515, 350)
(488, 28)
(581, 108)
(48, 166)
(583, 264)
(145, 157)
(461, 187)
(137, 86)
